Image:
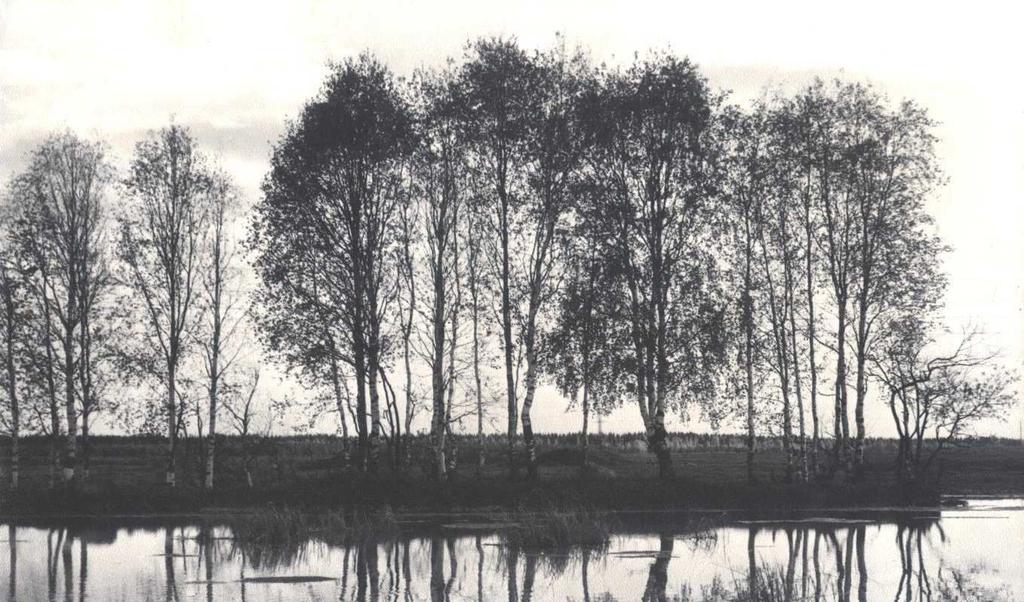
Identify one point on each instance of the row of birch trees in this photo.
(621, 232)
(121, 294)
(444, 244)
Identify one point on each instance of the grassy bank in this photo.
(308, 472)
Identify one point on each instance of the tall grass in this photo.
(274, 525)
(560, 528)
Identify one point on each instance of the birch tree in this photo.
(223, 307)
(439, 175)
(15, 318)
(935, 395)
(333, 195)
(63, 230)
(893, 170)
(162, 234)
(654, 155)
(555, 148)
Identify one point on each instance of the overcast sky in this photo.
(234, 71)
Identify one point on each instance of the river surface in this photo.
(967, 553)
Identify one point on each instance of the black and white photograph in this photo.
(591, 301)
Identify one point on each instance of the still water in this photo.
(969, 553)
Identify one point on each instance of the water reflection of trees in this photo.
(805, 575)
(826, 561)
(438, 577)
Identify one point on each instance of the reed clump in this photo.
(560, 528)
(282, 525)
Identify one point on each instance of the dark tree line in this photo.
(623, 233)
(448, 243)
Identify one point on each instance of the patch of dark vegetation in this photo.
(279, 525)
(560, 528)
(273, 536)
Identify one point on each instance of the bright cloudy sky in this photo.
(234, 71)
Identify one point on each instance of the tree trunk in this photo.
(798, 389)
(172, 426)
(450, 450)
(85, 377)
(215, 349)
(842, 426)
(506, 333)
(862, 385)
(85, 446)
(657, 441)
(811, 342)
(506, 318)
(437, 422)
(54, 460)
(748, 345)
(51, 388)
(212, 438)
(340, 402)
(373, 366)
(660, 375)
(585, 434)
(359, 369)
(71, 412)
(479, 390)
(406, 356)
(531, 389)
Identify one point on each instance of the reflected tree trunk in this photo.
(529, 576)
(83, 569)
(453, 567)
(69, 569)
(392, 550)
(407, 569)
(344, 572)
(51, 566)
(840, 566)
(805, 535)
(848, 569)
(792, 553)
(862, 566)
(924, 583)
(208, 562)
(657, 579)
(389, 570)
(12, 562)
(170, 587)
(436, 570)
(479, 568)
(906, 560)
(241, 584)
(817, 566)
(361, 572)
(752, 562)
(512, 562)
(373, 572)
(586, 577)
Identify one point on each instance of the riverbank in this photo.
(307, 473)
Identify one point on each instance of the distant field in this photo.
(710, 469)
